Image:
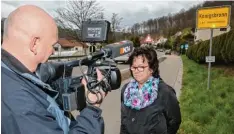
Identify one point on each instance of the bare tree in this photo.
(115, 22)
(150, 25)
(136, 29)
(145, 27)
(75, 12)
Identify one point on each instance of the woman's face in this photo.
(140, 69)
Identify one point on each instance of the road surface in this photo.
(169, 70)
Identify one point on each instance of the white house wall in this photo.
(205, 34)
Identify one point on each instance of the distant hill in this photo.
(169, 25)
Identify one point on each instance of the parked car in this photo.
(161, 50)
(123, 58)
(168, 52)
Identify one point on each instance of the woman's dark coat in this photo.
(161, 117)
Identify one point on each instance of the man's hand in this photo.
(93, 97)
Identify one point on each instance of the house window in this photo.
(66, 49)
(223, 29)
(56, 48)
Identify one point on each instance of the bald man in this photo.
(28, 105)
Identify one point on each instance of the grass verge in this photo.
(206, 111)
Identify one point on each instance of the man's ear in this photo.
(34, 44)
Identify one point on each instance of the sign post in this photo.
(186, 46)
(212, 18)
(210, 53)
(181, 49)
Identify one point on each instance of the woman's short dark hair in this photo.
(150, 54)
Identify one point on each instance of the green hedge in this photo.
(222, 49)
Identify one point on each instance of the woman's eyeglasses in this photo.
(140, 68)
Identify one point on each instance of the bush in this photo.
(222, 49)
(167, 45)
(202, 52)
(135, 40)
(228, 49)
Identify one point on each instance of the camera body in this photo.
(72, 93)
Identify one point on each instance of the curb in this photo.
(178, 82)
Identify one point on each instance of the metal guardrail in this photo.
(56, 57)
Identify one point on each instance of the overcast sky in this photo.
(134, 11)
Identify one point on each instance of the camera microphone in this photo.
(109, 51)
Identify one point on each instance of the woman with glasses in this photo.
(148, 105)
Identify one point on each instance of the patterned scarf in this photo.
(140, 98)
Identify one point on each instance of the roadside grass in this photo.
(206, 111)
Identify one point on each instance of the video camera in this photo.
(72, 94)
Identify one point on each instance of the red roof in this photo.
(71, 43)
(148, 39)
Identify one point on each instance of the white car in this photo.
(123, 58)
(168, 52)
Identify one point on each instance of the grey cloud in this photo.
(12, 3)
(131, 11)
(6, 9)
(160, 9)
(48, 6)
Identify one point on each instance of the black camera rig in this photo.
(72, 93)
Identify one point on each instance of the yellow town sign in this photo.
(213, 17)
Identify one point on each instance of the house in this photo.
(161, 40)
(94, 47)
(147, 40)
(178, 34)
(204, 34)
(68, 47)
